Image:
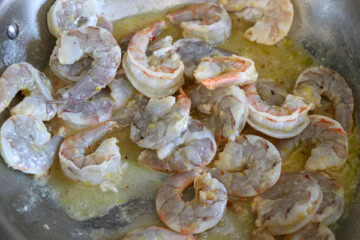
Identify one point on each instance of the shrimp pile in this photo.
(200, 114)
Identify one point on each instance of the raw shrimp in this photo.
(248, 166)
(283, 121)
(160, 74)
(162, 123)
(90, 42)
(196, 149)
(100, 107)
(312, 231)
(23, 76)
(270, 92)
(332, 205)
(289, 205)
(65, 15)
(321, 81)
(197, 215)
(192, 50)
(156, 233)
(26, 144)
(273, 18)
(329, 138)
(220, 71)
(208, 22)
(94, 168)
(227, 106)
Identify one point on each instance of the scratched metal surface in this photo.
(328, 29)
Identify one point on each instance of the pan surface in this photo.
(328, 29)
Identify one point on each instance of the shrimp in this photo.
(24, 77)
(208, 22)
(329, 138)
(284, 121)
(65, 15)
(91, 42)
(100, 107)
(161, 123)
(270, 92)
(197, 215)
(289, 205)
(227, 106)
(312, 231)
(156, 233)
(26, 144)
(196, 149)
(332, 205)
(321, 81)
(158, 75)
(94, 168)
(219, 71)
(192, 50)
(248, 166)
(273, 18)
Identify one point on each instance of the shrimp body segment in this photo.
(315, 231)
(26, 145)
(24, 77)
(330, 139)
(161, 123)
(273, 18)
(283, 121)
(248, 166)
(94, 168)
(289, 205)
(93, 42)
(192, 50)
(227, 106)
(65, 15)
(156, 233)
(195, 149)
(158, 75)
(222, 71)
(332, 205)
(315, 82)
(208, 22)
(197, 215)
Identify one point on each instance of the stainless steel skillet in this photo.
(328, 29)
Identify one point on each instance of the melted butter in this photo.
(282, 62)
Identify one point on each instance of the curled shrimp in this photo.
(208, 22)
(289, 205)
(93, 42)
(329, 138)
(192, 50)
(315, 230)
(195, 149)
(26, 144)
(227, 106)
(94, 168)
(284, 121)
(65, 15)
(221, 71)
(273, 18)
(156, 233)
(248, 166)
(332, 205)
(197, 215)
(315, 82)
(162, 123)
(99, 108)
(24, 77)
(158, 75)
